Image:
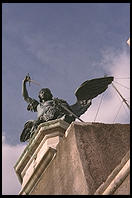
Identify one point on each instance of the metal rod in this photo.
(124, 100)
(68, 110)
(72, 113)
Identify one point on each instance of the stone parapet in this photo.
(38, 153)
(76, 159)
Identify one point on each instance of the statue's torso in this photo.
(43, 108)
(51, 110)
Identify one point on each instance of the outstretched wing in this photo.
(87, 91)
(92, 88)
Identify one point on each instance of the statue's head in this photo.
(45, 94)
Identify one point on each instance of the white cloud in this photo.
(10, 155)
(117, 64)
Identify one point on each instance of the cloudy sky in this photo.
(61, 45)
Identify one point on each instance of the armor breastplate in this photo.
(47, 111)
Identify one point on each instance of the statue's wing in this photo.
(92, 88)
(87, 91)
(80, 107)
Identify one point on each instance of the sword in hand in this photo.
(33, 81)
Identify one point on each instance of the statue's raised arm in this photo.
(32, 102)
(24, 89)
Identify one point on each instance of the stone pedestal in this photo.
(76, 159)
(40, 150)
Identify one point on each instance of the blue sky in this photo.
(61, 45)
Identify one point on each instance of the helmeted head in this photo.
(45, 94)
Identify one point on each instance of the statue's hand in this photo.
(27, 79)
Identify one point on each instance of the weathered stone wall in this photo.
(84, 159)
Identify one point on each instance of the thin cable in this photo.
(121, 98)
(125, 109)
(121, 84)
(118, 111)
(124, 100)
(128, 99)
(98, 108)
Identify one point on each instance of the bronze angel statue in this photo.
(49, 108)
